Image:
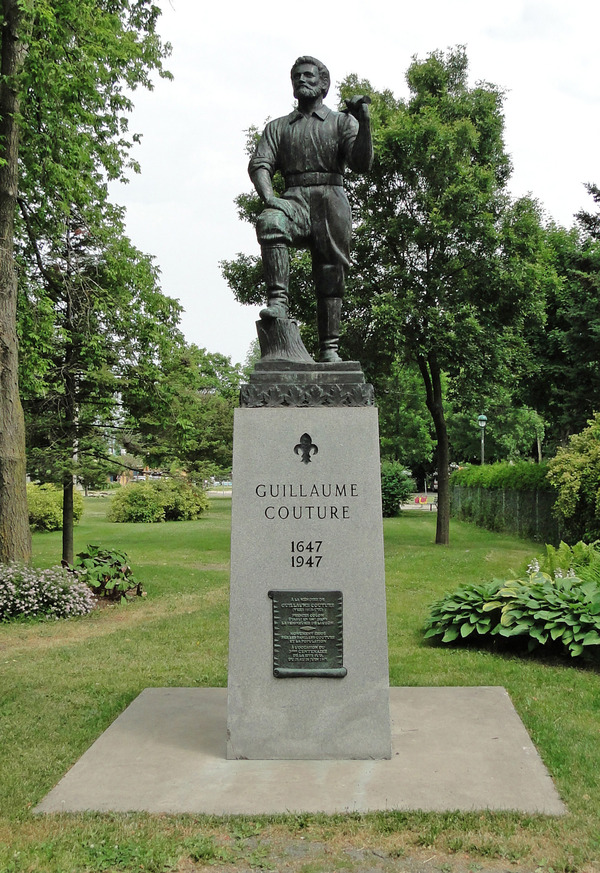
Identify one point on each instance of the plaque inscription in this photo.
(308, 634)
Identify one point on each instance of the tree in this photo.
(15, 539)
(565, 385)
(66, 98)
(181, 409)
(448, 271)
(452, 267)
(588, 221)
(513, 432)
(104, 295)
(404, 421)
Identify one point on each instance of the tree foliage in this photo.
(85, 59)
(452, 268)
(564, 387)
(404, 422)
(180, 409)
(514, 431)
(103, 296)
(589, 222)
(575, 473)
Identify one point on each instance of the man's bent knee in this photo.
(273, 227)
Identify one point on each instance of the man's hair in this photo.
(323, 71)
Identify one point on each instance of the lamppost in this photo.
(482, 421)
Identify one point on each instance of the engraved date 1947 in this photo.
(305, 553)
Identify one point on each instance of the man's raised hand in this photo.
(358, 106)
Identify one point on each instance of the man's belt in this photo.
(304, 180)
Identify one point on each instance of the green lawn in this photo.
(63, 683)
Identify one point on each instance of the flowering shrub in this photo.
(54, 593)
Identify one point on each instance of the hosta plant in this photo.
(563, 610)
(107, 572)
(562, 613)
(464, 612)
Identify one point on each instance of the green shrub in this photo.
(175, 499)
(137, 502)
(561, 612)
(396, 488)
(54, 593)
(44, 504)
(181, 499)
(520, 476)
(575, 473)
(107, 572)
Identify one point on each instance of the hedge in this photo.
(521, 476)
(507, 497)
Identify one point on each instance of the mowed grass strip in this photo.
(62, 683)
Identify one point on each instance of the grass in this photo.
(62, 683)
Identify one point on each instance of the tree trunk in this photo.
(15, 537)
(67, 531)
(442, 534)
(70, 411)
(431, 374)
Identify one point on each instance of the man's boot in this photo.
(329, 285)
(276, 266)
(329, 313)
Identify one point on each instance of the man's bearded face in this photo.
(306, 82)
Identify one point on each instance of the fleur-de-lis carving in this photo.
(306, 447)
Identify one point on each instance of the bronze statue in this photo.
(311, 147)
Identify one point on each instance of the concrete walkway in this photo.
(453, 749)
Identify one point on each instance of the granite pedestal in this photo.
(308, 666)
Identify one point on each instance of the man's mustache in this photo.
(313, 90)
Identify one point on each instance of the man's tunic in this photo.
(311, 153)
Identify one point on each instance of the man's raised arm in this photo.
(361, 158)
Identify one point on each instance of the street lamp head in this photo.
(482, 421)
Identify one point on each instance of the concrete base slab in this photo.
(453, 749)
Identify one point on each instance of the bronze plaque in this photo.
(308, 635)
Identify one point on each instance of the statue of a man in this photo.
(311, 147)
